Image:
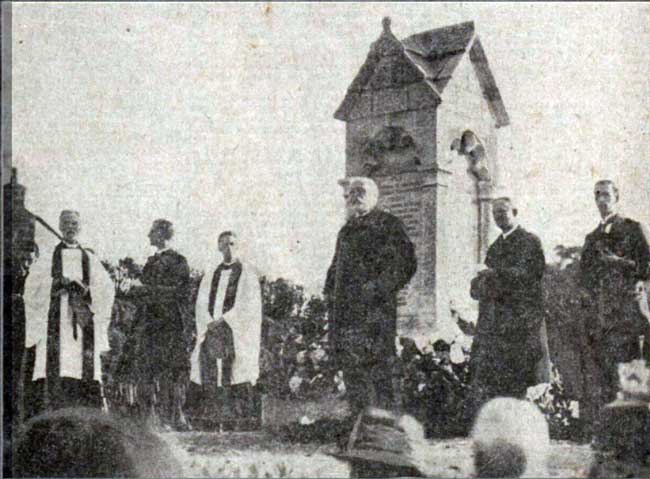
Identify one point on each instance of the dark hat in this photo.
(379, 437)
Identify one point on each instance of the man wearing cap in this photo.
(374, 258)
(68, 303)
(614, 265)
(508, 344)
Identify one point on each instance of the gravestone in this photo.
(422, 119)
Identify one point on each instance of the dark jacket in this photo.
(374, 259)
(611, 284)
(508, 345)
(166, 314)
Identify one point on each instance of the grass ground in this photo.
(263, 454)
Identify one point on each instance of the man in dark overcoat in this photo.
(374, 259)
(508, 344)
(167, 326)
(614, 265)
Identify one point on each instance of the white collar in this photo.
(162, 250)
(505, 234)
(607, 218)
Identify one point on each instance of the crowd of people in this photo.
(204, 355)
(180, 355)
(374, 259)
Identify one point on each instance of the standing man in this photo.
(68, 304)
(229, 336)
(373, 260)
(508, 344)
(614, 264)
(167, 323)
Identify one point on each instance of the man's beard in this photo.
(355, 210)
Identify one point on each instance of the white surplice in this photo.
(37, 302)
(245, 320)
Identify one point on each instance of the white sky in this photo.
(219, 116)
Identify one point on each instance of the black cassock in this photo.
(167, 317)
(508, 343)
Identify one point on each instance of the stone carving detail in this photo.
(469, 146)
(390, 148)
(388, 65)
(387, 43)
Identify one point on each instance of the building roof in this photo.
(428, 57)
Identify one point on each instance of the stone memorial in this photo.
(422, 119)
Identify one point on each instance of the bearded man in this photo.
(373, 260)
(68, 303)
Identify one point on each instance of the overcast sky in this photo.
(219, 116)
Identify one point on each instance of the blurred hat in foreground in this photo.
(381, 445)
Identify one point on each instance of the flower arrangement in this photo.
(634, 380)
(562, 413)
(434, 384)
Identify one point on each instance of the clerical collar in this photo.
(225, 265)
(505, 234)
(70, 245)
(607, 219)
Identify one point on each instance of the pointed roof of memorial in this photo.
(429, 57)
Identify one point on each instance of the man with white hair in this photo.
(68, 304)
(373, 260)
(508, 343)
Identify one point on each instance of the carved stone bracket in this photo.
(471, 147)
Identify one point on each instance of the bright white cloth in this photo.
(37, 303)
(245, 320)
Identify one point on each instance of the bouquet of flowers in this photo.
(562, 413)
(634, 380)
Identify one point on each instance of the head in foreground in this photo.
(510, 439)
(85, 442)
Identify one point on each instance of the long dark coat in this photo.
(612, 286)
(508, 344)
(615, 313)
(166, 316)
(374, 259)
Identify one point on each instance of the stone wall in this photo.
(464, 228)
(403, 170)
